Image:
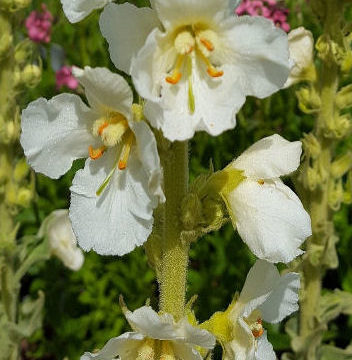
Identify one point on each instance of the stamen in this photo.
(95, 154)
(261, 182)
(102, 127)
(257, 328)
(126, 150)
(214, 72)
(207, 43)
(211, 70)
(176, 73)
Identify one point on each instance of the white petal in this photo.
(105, 90)
(283, 301)
(168, 108)
(118, 220)
(126, 28)
(195, 336)
(125, 346)
(184, 351)
(301, 46)
(259, 284)
(264, 349)
(184, 12)
(270, 157)
(260, 55)
(77, 10)
(270, 220)
(62, 240)
(242, 347)
(146, 321)
(56, 132)
(148, 154)
(215, 111)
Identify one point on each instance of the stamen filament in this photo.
(176, 75)
(211, 70)
(126, 150)
(95, 154)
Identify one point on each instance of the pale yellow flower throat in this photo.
(191, 39)
(113, 129)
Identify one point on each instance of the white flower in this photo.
(268, 215)
(266, 296)
(195, 61)
(153, 334)
(301, 47)
(77, 10)
(113, 197)
(62, 241)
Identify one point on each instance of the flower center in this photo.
(113, 129)
(201, 42)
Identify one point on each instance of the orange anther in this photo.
(258, 333)
(95, 154)
(174, 78)
(102, 127)
(261, 182)
(208, 44)
(214, 73)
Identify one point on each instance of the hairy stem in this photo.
(318, 200)
(174, 260)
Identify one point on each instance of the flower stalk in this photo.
(174, 260)
(318, 181)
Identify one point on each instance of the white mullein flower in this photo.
(266, 296)
(155, 334)
(268, 215)
(301, 47)
(62, 241)
(77, 10)
(195, 61)
(113, 197)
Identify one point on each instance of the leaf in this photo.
(333, 304)
(333, 353)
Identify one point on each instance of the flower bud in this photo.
(336, 195)
(21, 4)
(23, 52)
(21, 170)
(301, 45)
(137, 111)
(311, 146)
(346, 63)
(340, 128)
(343, 98)
(24, 197)
(309, 100)
(191, 209)
(63, 244)
(5, 44)
(341, 165)
(31, 75)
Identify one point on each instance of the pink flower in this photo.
(64, 77)
(38, 25)
(270, 9)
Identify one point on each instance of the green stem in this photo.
(318, 200)
(174, 260)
